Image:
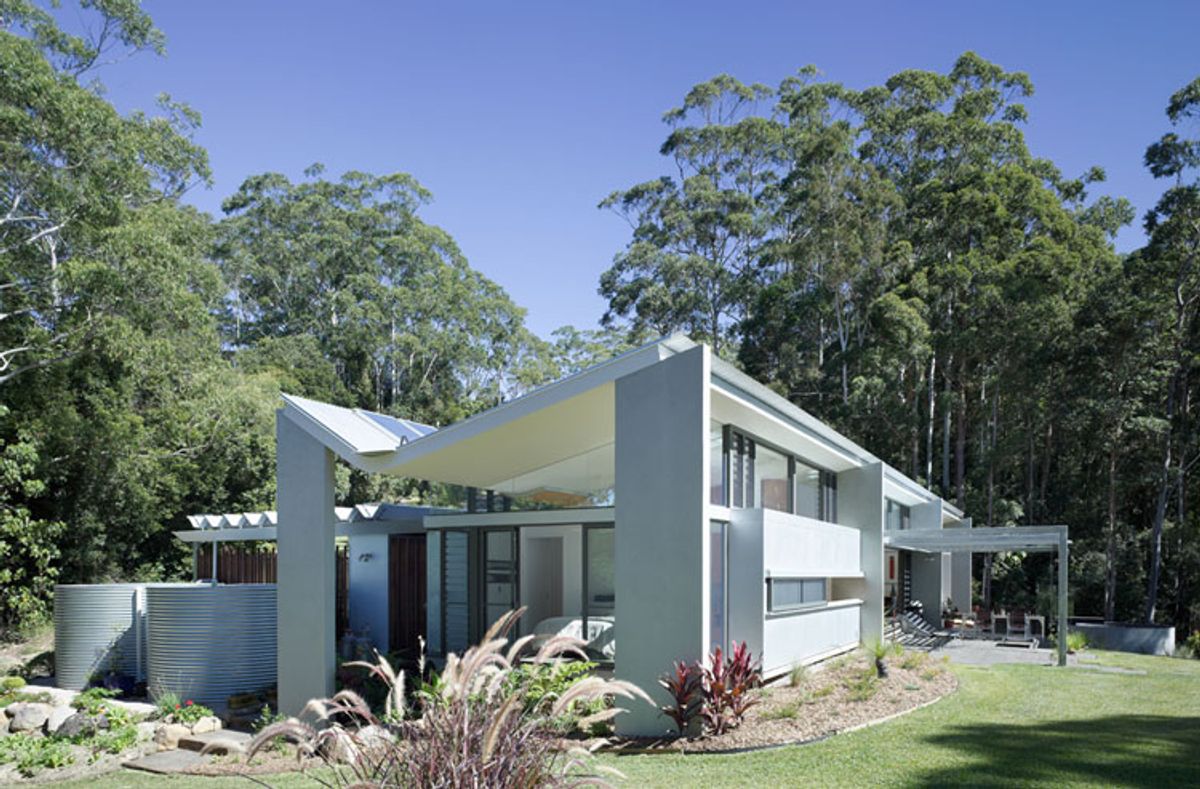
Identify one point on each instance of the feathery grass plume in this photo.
(470, 726)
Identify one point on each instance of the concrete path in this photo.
(979, 652)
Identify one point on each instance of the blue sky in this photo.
(521, 117)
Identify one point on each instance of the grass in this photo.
(1006, 725)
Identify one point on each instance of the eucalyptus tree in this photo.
(388, 299)
(1172, 258)
(693, 261)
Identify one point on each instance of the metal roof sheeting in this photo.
(364, 432)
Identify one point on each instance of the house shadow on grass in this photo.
(1126, 750)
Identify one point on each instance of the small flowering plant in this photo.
(189, 712)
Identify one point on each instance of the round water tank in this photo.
(97, 629)
(207, 643)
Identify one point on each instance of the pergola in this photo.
(997, 539)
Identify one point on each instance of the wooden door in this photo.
(406, 594)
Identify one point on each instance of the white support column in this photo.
(1064, 553)
(662, 600)
(860, 504)
(306, 613)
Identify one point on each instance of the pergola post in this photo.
(1063, 556)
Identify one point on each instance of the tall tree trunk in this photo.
(960, 441)
(986, 581)
(1110, 542)
(1160, 508)
(947, 395)
(915, 428)
(929, 427)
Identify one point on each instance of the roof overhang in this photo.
(361, 519)
(522, 439)
(995, 539)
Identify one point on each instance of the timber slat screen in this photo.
(244, 564)
(406, 594)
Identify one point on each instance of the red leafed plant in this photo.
(726, 684)
(683, 683)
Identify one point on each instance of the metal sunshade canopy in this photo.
(997, 539)
(986, 539)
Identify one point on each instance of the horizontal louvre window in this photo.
(788, 594)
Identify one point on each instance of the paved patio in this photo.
(980, 652)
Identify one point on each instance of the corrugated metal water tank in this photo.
(208, 643)
(97, 628)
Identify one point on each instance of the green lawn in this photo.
(1006, 725)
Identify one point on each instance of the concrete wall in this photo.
(747, 587)
(960, 575)
(797, 546)
(860, 505)
(927, 584)
(369, 588)
(662, 600)
(799, 636)
(306, 571)
(930, 572)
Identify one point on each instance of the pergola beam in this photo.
(997, 539)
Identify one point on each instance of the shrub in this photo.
(167, 702)
(786, 712)
(543, 684)
(472, 726)
(1192, 645)
(11, 683)
(862, 685)
(683, 683)
(911, 659)
(189, 712)
(880, 651)
(725, 685)
(32, 754)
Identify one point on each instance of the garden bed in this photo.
(836, 697)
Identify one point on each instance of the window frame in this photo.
(803, 605)
(739, 450)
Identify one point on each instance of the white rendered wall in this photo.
(930, 572)
(765, 543)
(797, 546)
(860, 505)
(799, 636)
(306, 572)
(368, 595)
(662, 601)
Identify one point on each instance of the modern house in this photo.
(657, 505)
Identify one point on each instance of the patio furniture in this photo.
(1016, 624)
(1035, 627)
(1000, 624)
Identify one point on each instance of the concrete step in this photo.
(168, 762)
(236, 740)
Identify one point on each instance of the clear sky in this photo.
(521, 117)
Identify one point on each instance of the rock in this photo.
(59, 716)
(146, 730)
(168, 735)
(3, 724)
(206, 724)
(30, 716)
(77, 725)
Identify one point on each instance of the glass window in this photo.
(808, 491)
(897, 516)
(718, 468)
(829, 496)
(788, 594)
(771, 471)
(599, 591)
(716, 579)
